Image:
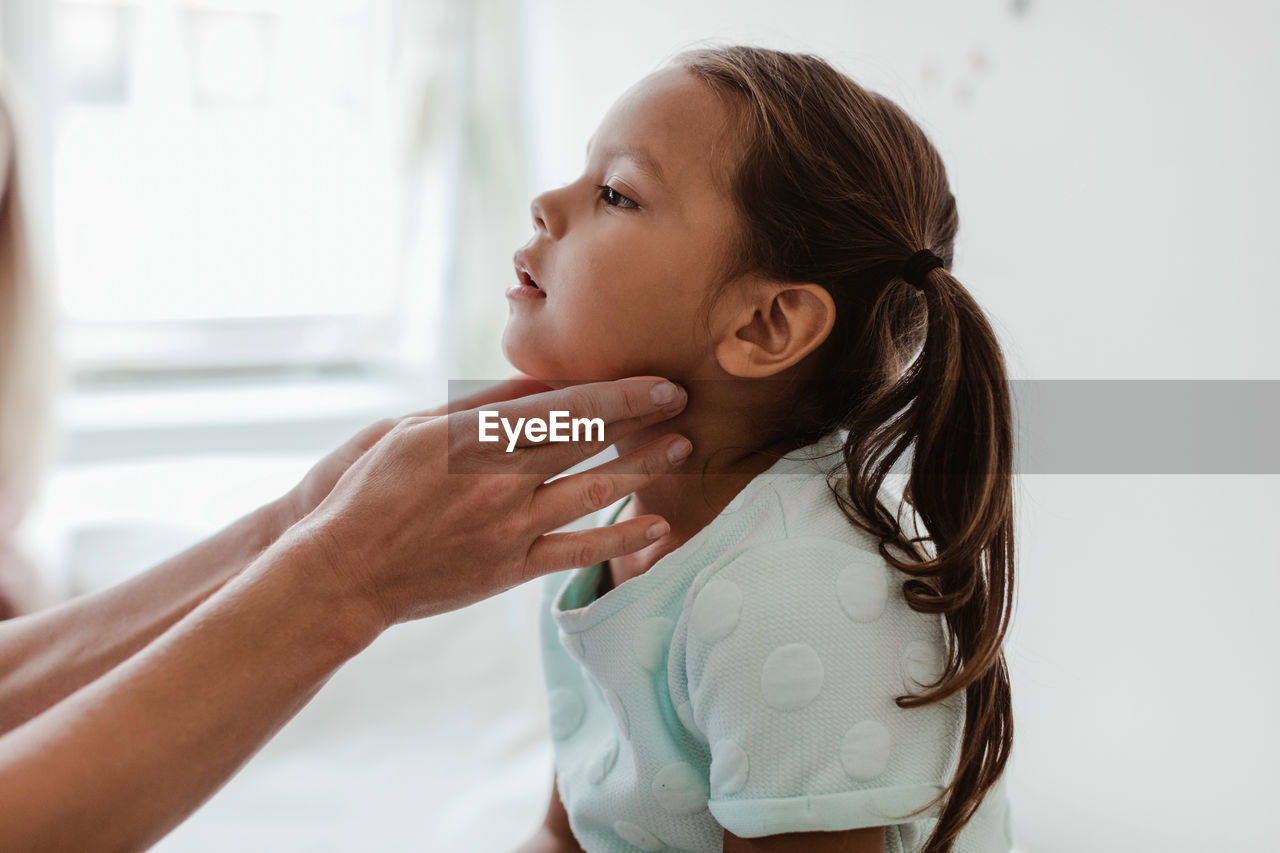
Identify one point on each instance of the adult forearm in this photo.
(386, 533)
(121, 762)
(48, 655)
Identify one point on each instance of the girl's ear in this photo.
(776, 328)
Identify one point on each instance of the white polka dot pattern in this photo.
(679, 789)
(921, 665)
(863, 590)
(600, 766)
(565, 709)
(651, 641)
(716, 611)
(792, 677)
(865, 750)
(729, 768)
(619, 712)
(634, 835)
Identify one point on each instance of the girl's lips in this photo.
(526, 287)
(525, 278)
(525, 290)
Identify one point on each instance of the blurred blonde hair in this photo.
(27, 364)
(26, 347)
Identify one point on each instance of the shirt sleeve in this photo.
(794, 652)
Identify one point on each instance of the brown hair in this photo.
(837, 186)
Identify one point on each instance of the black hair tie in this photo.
(919, 265)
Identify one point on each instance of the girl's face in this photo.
(623, 256)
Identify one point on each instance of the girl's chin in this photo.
(528, 363)
(534, 362)
(553, 378)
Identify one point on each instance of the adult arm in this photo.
(48, 655)
(120, 762)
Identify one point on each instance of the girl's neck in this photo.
(726, 456)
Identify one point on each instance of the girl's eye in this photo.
(613, 198)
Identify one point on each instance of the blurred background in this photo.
(235, 232)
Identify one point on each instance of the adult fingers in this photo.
(621, 406)
(561, 501)
(556, 551)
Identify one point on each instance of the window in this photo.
(223, 183)
(267, 215)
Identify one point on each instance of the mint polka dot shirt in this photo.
(746, 681)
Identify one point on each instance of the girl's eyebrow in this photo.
(640, 156)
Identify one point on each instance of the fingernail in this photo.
(657, 530)
(662, 393)
(679, 449)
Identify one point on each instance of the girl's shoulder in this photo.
(809, 564)
(818, 506)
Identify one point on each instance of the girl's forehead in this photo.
(670, 118)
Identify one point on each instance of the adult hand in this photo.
(324, 475)
(399, 535)
(429, 519)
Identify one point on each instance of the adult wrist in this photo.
(300, 558)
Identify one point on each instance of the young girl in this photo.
(804, 662)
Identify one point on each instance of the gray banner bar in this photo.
(1098, 426)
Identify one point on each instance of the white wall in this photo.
(1113, 165)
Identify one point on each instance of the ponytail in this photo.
(952, 408)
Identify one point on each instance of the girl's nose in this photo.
(547, 214)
